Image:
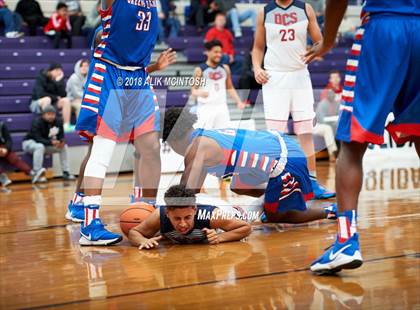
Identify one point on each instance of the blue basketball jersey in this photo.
(92, 44)
(195, 235)
(249, 152)
(411, 7)
(130, 31)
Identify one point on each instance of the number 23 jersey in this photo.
(285, 36)
(130, 30)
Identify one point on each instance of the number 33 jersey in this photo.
(130, 30)
(285, 36)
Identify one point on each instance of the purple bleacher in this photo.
(18, 121)
(327, 65)
(16, 87)
(14, 104)
(17, 139)
(181, 43)
(42, 56)
(40, 42)
(30, 70)
(173, 98)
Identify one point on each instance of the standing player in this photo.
(280, 40)
(75, 209)
(119, 105)
(212, 108)
(261, 163)
(382, 77)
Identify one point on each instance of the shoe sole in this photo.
(85, 242)
(73, 219)
(355, 262)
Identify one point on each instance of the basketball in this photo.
(133, 216)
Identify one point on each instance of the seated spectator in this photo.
(168, 21)
(76, 84)
(59, 27)
(47, 136)
(32, 15)
(77, 19)
(220, 33)
(327, 113)
(235, 18)
(334, 84)
(93, 20)
(202, 12)
(12, 21)
(50, 89)
(10, 157)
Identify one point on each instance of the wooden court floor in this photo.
(42, 265)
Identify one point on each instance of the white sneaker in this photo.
(14, 34)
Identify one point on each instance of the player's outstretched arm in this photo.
(165, 59)
(143, 234)
(334, 13)
(195, 165)
(231, 89)
(234, 229)
(261, 75)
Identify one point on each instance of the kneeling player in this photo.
(261, 163)
(184, 221)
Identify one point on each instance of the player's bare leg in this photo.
(149, 165)
(296, 217)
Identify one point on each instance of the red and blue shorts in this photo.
(117, 104)
(383, 74)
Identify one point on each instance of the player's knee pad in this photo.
(100, 157)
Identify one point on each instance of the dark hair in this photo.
(61, 5)
(53, 66)
(179, 196)
(210, 44)
(335, 71)
(177, 123)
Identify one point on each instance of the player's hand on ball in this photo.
(166, 58)
(319, 49)
(212, 236)
(150, 243)
(261, 76)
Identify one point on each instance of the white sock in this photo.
(92, 204)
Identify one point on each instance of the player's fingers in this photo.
(158, 238)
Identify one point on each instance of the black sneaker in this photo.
(68, 177)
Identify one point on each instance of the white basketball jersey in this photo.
(215, 85)
(285, 36)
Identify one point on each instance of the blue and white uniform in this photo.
(118, 102)
(383, 73)
(258, 157)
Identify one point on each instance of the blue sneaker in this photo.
(331, 212)
(96, 234)
(339, 256)
(75, 212)
(321, 192)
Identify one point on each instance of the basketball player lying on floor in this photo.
(184, 221)
(261, 163)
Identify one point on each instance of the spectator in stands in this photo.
(12, 21)
(168, 21)
(348, 28)
(235, 18)
(58, 27)
(76, 84)
(327, 113)
(93, 20)
(334, 84)
(50, 89)
(202, 12)
(32, 15)
(77, 19)
(47, 136)
(220, 33)
(10, 157)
